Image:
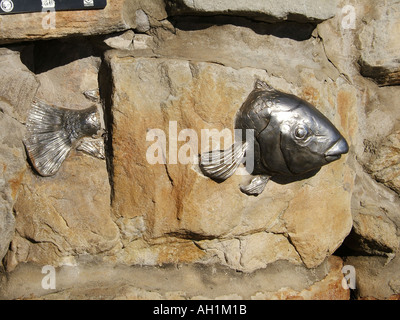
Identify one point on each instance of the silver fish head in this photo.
(291, 136)
(308, 140)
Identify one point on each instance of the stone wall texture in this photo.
(167, 73)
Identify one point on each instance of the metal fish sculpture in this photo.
(53, 131)
(291, 138)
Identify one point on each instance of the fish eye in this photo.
(301, 132)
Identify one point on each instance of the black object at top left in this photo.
(25, 6)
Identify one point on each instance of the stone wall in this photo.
(177, 65)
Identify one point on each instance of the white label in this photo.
(88, 3)
(7, 5)
(48, 4)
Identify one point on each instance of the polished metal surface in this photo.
(93, 147)
(93, 95)
(53, 131)
(291, 137)
(220, 165)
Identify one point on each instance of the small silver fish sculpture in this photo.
(291, 138)
(53, 131)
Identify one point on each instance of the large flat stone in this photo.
(87, 280)
(118, 15)
(267, 10)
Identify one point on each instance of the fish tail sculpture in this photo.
(291, 137)
(53, 131)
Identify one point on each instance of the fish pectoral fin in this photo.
(259, 84)
(93, 95)
(92, 147)
(219, 165)
(256, 186)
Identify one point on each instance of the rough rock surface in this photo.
(253, 48)
(267, 10)
(380, 45)
(17, 88)
(7, 220)
(196, 282)
(47, 24)
(54, 222)
(12, 169)
(119, 15)
(384, 162)
(170, 66)
(377, 277)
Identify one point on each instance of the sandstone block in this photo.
(18, 85)
(173, 198)
(85, 281)
(117, 16)
(380, 44)
(7, 220)
(384, 162)
(12, 170)
(68, 214)
(302, 11)
(65, 216)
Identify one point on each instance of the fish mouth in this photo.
(333, 158)
(335, 152)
